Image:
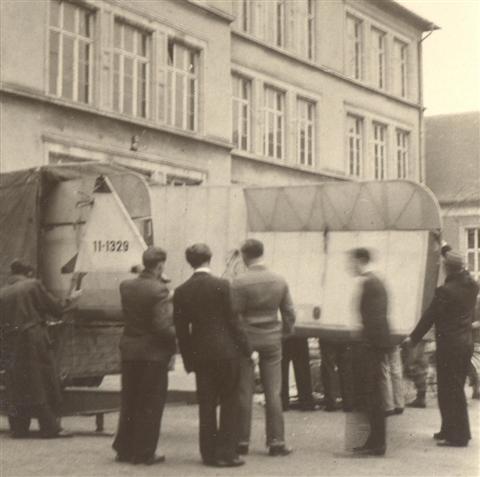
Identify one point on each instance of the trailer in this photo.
(88, 224)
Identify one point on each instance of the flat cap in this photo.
(454, 260)
(154, 254)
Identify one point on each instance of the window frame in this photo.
(311, 15)
(380, 150)
(475, 250)
(307, 123)
(170, 87)
(77, 38)
(136, 60)
(276, 115)
(358, 72)
(402, 153)
(379, 58)
(400, 67)
(359, 140)
(279, 23)
(241, 103)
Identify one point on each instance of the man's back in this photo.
(258, 294)
(203, 303)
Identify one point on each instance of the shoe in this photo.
(398, 411)
(365, 450)
(242, 449)
(237, 462)
(275, 451)
(418, 403)
(122, 458)
(439, 436)
(62, 433)
(155, 459)
(452, 444)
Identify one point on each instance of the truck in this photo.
(86, 225)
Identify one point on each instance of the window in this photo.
(305, 132)
(182, 86)
(355, 145)
(403, 140)
(311, 29)
(378, 58)
(274, 128)
(380, 150)
(245, 15)
(242, 97)
(400, 51)
(354, 47)
(131, 70)
(70, 51)
(279, 22)
(473, 251)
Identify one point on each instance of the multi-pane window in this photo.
(378, 58)
(473, 251)
(131, 69)
(354, 145)
(379, 150)
(279, 22)
(400, 52)
(305, 132)
(403, 146)
(241, 107)
(245, 15)
(311, 29)
(354, 47)
(70, 51)
(274, 127)
(182, 85)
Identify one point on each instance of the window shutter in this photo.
(292, 34)
(161, 75)
(302, 27)
(106, 97)
(270, 20)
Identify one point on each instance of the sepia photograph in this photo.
(240, 238)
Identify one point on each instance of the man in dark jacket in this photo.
(211, 343)
(32, 383)
(146, 347)
(451, 310)
(370, 353)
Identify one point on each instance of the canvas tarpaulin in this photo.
(18, 218)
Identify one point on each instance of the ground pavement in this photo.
(318, 438)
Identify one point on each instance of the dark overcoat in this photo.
(27, 356)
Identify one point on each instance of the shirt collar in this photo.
(203, 270)
(258, 263)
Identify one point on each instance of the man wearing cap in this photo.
(212, 342)
(257, 296)
(31, 377)
(451, 310)
(147, 344)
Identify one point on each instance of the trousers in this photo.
(47, 420)
(296, 350)
(143, 397)
(367, 373)
(452, 368)
(268, 345)
(218, 385)
(392, 380)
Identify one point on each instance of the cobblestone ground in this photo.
(318, 438)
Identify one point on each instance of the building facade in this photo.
(215, 91)
(453, 174)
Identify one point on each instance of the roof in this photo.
(453, 157)
(397, 9)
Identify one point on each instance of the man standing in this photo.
(451, 310)
(211, 342)
(32, 383)
(147, 344)
(369, 355)
(257, 295)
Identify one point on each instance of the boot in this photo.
(419, 401)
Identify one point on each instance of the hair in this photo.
(17, 267)
(252, 248)
(197, 254)
(153, 256)
(361, 254)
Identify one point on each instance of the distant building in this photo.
(453, 174)
(215, 91)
